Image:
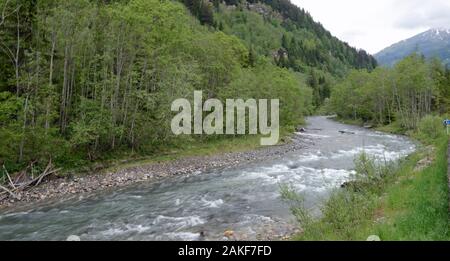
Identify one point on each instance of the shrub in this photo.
(430, 128)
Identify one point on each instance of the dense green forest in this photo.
(84, 80)
(399, 200)
(402, 95)
(288, 36)
(282, 29)
(84, 83)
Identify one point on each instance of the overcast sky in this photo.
(375, 24)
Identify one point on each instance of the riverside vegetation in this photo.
(405, 200)
(90, 81)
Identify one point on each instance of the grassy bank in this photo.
(416, 205)
(189, 148)
(406, 200)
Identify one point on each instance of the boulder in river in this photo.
(346, 132)
(73, 238)
(300, 129)
(373, 238)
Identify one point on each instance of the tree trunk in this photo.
(22, 141)
(16, 64)
(50, 84)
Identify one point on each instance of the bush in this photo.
(341, 215)
(430, 128)
(348, 209)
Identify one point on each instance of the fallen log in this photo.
(28, 184)
(49, 165)
(9, 177)
(9, 192)
(43, 176)
(37, 180)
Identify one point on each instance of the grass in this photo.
(416, 206)
(395, 202)
(184, 150)
(393, 128)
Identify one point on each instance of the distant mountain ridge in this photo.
(432, 43)
(284, 31)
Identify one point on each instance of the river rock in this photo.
(73, 238)
(373, 238)
(71, 185)
(228, 233)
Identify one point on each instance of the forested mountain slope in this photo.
(288, 36)
(283, 30)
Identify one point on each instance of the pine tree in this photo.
(216, 4)
(206, 14)
(284, 42)
(252, 57)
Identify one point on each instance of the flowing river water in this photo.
(244, 199)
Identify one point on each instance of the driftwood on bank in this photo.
(6, 190)
(11, 183)
(16, 186)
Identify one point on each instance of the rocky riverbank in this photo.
(68, 187)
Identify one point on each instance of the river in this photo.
(244, 199)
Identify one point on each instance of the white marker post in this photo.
(447, 125)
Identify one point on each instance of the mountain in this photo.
(284, 32)
(432, 43)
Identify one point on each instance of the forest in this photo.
(86, 95)
(401, 96)
(86, 80)
(288, 36)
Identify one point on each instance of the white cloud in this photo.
(415, 13)
(374, 25)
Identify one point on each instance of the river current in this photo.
(244, 199)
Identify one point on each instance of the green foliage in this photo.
(96, 79)
(10, 110)
(10, 106)
(265, 80)
(290, 38)
(366, 167)
(340, 218)
(345, 211)
(430, 128)
(297, 206)
(92, 126)
(202, 9)
(274, 26)
(406, 93)
(418, 203)
(395, 201)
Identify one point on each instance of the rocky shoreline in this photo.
(69, 187)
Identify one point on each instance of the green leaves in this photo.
(10, 107)
(99, 78)
(406, 93)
